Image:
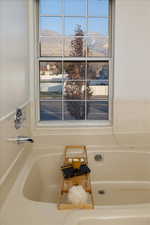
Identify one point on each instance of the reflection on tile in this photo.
(74, 70)
(74, 110)
(51, 90)
(50, 26)
(50, 71)
(75, 46)
(98, 26)
(50, 110)
(97, 46)
(95, 91)
(75, 26)
(75, 7)
(51, 46)
(98, 71)
(74, 90)
(53, 7)
(97, 110)
(98, 8)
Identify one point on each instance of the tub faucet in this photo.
(21, 139)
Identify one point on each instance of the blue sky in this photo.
(74, 8)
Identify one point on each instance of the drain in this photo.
(98, 157)
(101, 192)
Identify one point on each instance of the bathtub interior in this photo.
(119, 178)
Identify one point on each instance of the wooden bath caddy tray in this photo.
(72, 153)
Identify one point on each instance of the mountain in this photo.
(52, 44)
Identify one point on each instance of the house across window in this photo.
(74, 58)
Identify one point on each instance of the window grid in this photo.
(85, 59)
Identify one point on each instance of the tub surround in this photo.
(129, 131)
(20, 206)
(12, 155)
(103, 140)
(14, 89)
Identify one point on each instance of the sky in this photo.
(74, 8)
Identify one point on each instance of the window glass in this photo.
(75, 46)
(97, 110)
(74, 110)
(74, 58)
(50, 26)
(97, 46)
(98, 8)
(98, 26)
(74, 70)
(51, 46)
(51, 91)
(74, 90)
(51, 7)
(75, 26)
(75, 7)
(50, 110)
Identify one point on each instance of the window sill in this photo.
(73, 128)
(74, 124)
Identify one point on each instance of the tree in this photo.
(75, 87)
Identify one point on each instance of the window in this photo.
(74, 60)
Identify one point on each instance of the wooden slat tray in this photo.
(83, 180)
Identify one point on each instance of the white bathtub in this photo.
(121, 178)
(121, 187)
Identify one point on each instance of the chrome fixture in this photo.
(98, 157)
(18, 118)
(21, 139)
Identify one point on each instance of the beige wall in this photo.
(14, 71)
(132, 35)
(14, 84)
(131, 70)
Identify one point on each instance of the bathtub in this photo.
(119, 178)
(120, 184)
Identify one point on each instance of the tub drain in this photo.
(101, 192)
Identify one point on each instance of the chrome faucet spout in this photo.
(21, 139)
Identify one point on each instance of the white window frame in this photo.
(37, 59)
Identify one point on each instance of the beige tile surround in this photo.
(131, 116)
(12, 155)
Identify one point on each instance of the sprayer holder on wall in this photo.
(78, 173)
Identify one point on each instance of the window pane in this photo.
(95, 91)
(75, 26)
(75, 7)
(74, 70)
(74, 110)
(51, 91)
(97, 110)
(52, 7)
(50, 71)
(98, 71)
(75, 46)
(98, 26)
(50, 110)
(51, 46)
(74, 90)
(97, 46)
(98, 8)
(50, 26)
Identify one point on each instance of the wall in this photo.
(132, 71)
(14, 87)
(13, 54)
(131, 99)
